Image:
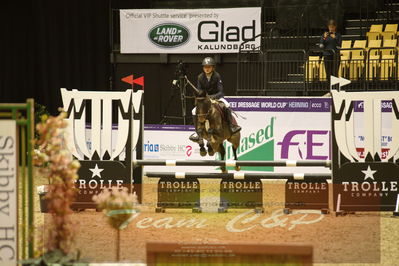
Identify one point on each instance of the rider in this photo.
(210, 82)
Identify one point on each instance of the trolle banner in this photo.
(189, 30)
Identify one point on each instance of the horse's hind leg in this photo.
(235, 141)
(222, 152)
(237, 168)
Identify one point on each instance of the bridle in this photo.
(209, 111)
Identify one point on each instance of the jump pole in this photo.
(231, 163)
(238, 175)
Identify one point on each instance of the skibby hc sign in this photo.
(189, 30)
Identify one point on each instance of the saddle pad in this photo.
(219, 106)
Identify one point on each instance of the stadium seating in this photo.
(388, 65)
(344, 59)
(390, 32)
(375, 32)
(356, 64)
(379, 63)
(312, 68)
(373, 58)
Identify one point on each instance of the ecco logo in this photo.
(169, 35)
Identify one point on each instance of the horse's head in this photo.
(203, 104)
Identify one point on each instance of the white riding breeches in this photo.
(223, 100)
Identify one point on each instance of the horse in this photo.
(213, 128)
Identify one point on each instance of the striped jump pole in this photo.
(239, 175)
(231, 163)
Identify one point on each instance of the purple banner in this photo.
(158, 127)
(169, 127)
(386, 106)
(265, 104)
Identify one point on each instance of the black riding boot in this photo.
(233, 128)
(195, 137)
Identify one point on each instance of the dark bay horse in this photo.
(214, 129)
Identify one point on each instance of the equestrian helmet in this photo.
(208, 61)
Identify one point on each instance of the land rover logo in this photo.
(169, 35)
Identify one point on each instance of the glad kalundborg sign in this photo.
(189, 30)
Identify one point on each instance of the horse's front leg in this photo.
(201, 131)
(202, 147)
(211, 151)
(222, 152)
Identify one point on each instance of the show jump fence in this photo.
(238, 189)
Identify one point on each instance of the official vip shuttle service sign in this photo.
(189, 30)
(8, 192)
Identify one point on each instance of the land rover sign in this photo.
(189, 30)
(169, 35)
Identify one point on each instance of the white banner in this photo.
(8, 192)
(273, 128)
(189, 30)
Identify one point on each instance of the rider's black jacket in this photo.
(213, 87)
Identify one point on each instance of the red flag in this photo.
(128, 79)
(139, 81)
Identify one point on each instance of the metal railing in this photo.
(382, 68)
(284, 70)
(307, 72)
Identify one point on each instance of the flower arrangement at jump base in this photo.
(61, 170)
(119, 206)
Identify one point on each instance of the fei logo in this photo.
(307, 144)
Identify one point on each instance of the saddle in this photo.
(220, 107)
